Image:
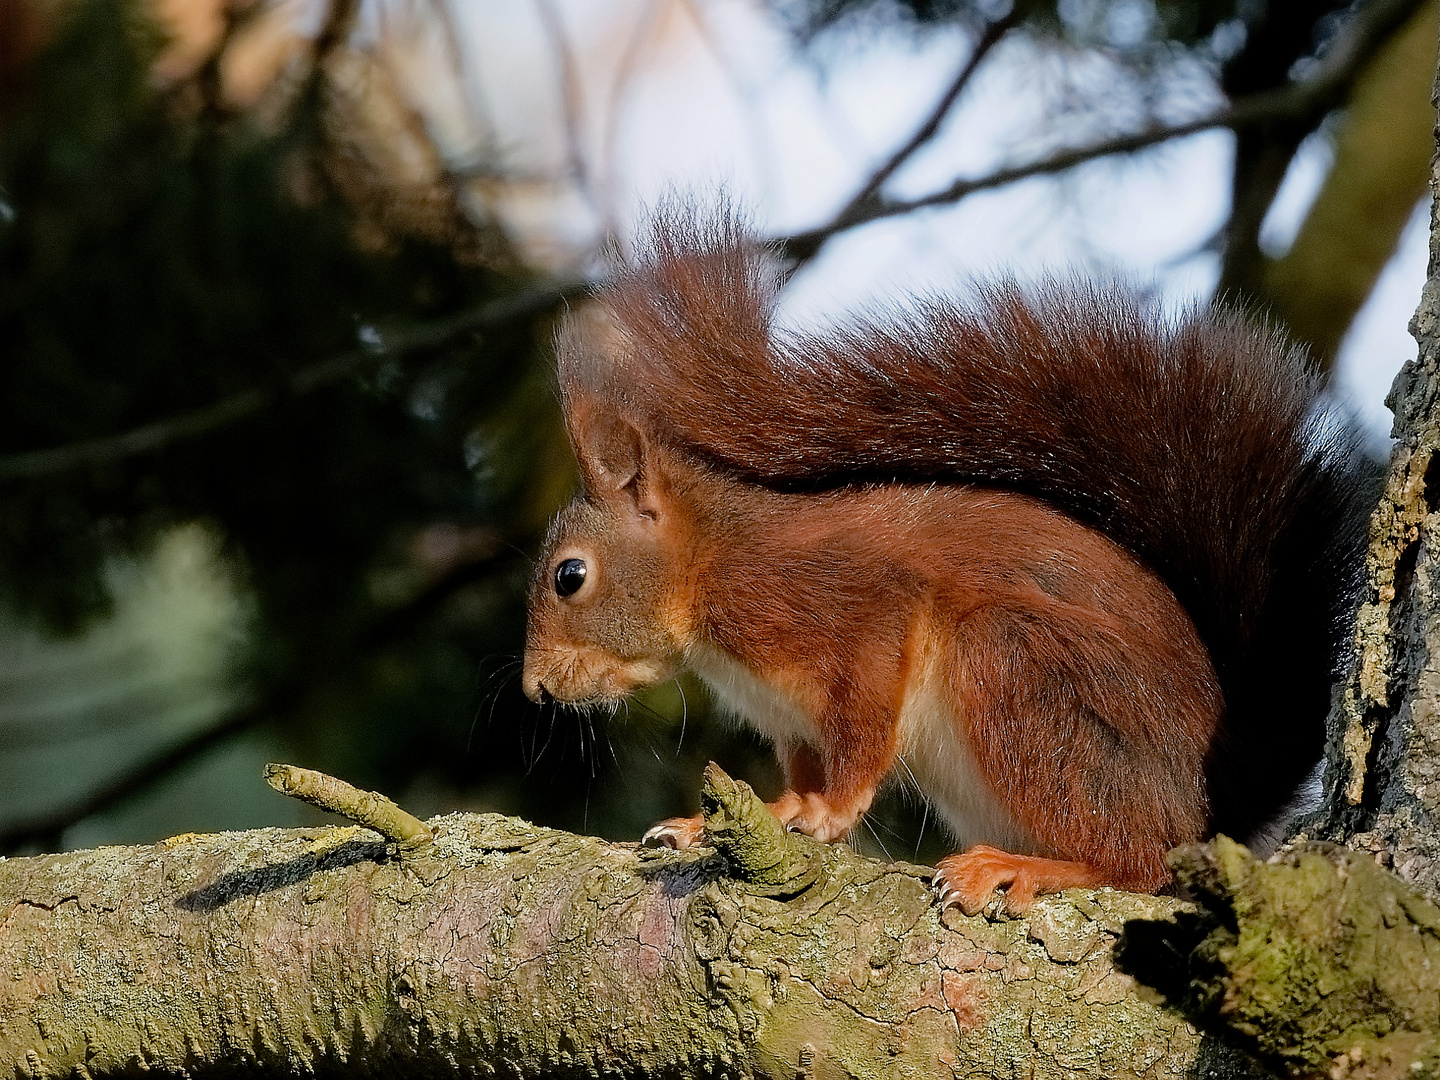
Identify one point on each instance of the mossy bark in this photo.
(502, 949)
(1318, 962)
(1383, 761)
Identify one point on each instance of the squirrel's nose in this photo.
(534, 689)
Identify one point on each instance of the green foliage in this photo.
(155, 260)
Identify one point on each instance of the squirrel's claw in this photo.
(969, 880)
(678, 833)
(947, 896)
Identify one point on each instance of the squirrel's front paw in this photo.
(675, 832)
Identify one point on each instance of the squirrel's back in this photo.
(1195, 442)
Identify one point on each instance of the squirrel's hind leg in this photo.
(1092, 732)
(969, 880)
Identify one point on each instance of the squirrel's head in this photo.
(606, 611)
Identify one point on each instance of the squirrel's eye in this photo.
(569, 576)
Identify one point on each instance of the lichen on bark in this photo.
(1383, 761)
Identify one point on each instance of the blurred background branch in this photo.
(987, 39)
(278, 280)
(248, 403)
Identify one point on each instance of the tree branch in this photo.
(479, 944)
(44, 830)
(504, 949)
(368, 808)
(1382, 150)
(1317, 962)
(1306, 101)
(988, 39)
(1263, 154)
(572, 98)
(334, 30)
(161, 434)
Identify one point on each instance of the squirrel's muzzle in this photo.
(533, 687)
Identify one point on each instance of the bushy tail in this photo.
(1196, 443)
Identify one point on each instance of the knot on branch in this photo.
(1318, 962)
(761, 852)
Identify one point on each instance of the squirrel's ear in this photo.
(610, 449)
(614, 453)
(614, 457)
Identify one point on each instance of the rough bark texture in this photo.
(1383, 762)
(500, 949)
(503, 949)
(1319, 962)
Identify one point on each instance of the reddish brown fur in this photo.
(761, 507)
(833, 594)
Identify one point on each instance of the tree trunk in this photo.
(1383, 760)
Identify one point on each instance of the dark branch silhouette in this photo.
(248, 403)
(1305, 101)
(988, 39)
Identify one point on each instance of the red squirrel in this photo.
(1077, 567)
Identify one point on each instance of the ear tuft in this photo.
(591, 353)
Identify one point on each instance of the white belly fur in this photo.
(930, 744)
(940, 758)
(745, 696)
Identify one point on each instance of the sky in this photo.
(595, 109)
